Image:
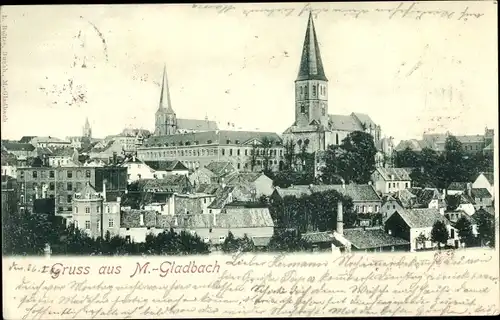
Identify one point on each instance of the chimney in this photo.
(104, 189)
(115, 157)
(469, 189)
(215, 219)
(340, 219)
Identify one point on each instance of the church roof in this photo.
(165, 103)
(195, 124)
(344, 123)
(311, 66)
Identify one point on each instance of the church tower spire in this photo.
(166, 120)
(311, 96)
(87, 130)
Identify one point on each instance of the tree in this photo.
(286, 241)
(289, 154)
(464, 228)
(421, 239)
(230, 244)
(254, 154)
(439, 233)
(406, 158)
(266, 145)
(453, 163)
(354, 158)
(486, 228)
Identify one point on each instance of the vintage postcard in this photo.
(250, 160)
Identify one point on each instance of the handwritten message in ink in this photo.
(402, 10)
(447, 283)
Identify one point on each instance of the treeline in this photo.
(438, 170)
(27, 234)
(314, 212)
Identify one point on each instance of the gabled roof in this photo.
(26, 139)
(243, 178)
(364, 119)
(195, 124)
(399, 174)
(311, 66)
(480, 193)
(421, 218)
(132, 218)
(166, 165)
(221, 197)
(17, 146)
(344, 123)
(221, 168)
(371, 238)
(210, 188)
(60, 152)
(458, 186)
(245, 218)
(295, 191)
(489, 176)
(163, 184)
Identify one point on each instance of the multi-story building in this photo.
(314, 129)
(196, 143)
(93, 214)
(62, 183)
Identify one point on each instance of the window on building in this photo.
(302, 108)
(239, 165)
(452, 233)
(87, 209)
(376, 208)
(394, 206)
(69, 186)
(87, 224)
(223, 152)
(76, 209)
(98, 209)
(301, 90)
(406, 184)
(323, 110)
(68, 198)
(60, 209)
(246, 152)
(76, 224)
(51, 186)
(230, 152)
(111, 223)
(69, 174)
(35, 174)
(237, 152)
(51, 174)
(107, 209)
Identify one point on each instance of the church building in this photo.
(166, 121)
(314, 128)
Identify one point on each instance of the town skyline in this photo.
(113, 88)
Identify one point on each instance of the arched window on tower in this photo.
(314, 90)
(302, 108)
(301, 90)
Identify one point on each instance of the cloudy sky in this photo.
(410, 69)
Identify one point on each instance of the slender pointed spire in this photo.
(311, 66)
(87, 123)
(165, 103)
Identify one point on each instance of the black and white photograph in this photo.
(231, 133)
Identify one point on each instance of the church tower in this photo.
(311, 86)
(166, 120)
(87, 130)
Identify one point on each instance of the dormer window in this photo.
(228, 141)
(209, 141)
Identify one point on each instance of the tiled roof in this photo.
(216, 137)
(61, 152)
(220, 168)
(243, 178)
(398, 173)
(344, 123)
(26, 139)
(459, 186)
(311, 66)
(421, 218)
(480, 193)
(318, 237)
(17, 146)
(364, 119)
(245, 218)
(406, 198)
(208, 188)
(487, 210)
(371, 238)
(48, 139)
(357, 192)
(466, 199)
(8, 159)
(221, 197)
(162, 184)
(195, 124)
(470, 138)
(131, 218)
(295, 191)
(45, 151)
(166, 165)
(106, 147)
(426, 195)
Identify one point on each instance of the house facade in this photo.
(390, 180)
(485, 180)
(415, 225)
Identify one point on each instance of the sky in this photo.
(412, 67)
